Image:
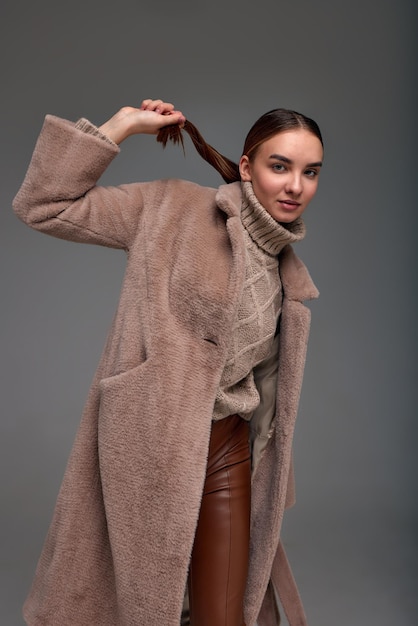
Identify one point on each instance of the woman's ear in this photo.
(245, 168)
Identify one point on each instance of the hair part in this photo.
(270, 124)
(274, 122)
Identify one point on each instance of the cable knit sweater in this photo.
(259, 309)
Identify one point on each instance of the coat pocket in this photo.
(124, 396)
(122, 380)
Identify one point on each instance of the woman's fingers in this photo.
(166, 109)
(159, 106)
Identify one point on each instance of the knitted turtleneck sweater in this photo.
(259, 308)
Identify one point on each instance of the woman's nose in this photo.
(294, 184)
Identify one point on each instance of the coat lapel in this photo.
(270, 483)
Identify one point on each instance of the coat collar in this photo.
(229, 198)
(296, 280)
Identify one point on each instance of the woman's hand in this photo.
(147, 119)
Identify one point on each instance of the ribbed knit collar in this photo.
(270, 235)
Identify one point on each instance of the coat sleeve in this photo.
(59, 194)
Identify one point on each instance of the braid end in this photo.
(171, 133)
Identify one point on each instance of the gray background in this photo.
(351, 538)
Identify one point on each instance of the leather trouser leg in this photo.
(219, 563)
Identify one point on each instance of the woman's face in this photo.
(284, 172)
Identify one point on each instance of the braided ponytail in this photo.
(226, 168)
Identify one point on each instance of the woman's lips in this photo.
(289, 205)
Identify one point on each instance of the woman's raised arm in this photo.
(59, 194)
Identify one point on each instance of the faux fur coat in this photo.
(118, 548)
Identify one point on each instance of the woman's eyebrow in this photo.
(280, 157)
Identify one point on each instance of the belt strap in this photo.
(285, 584)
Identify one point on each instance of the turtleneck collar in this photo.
(270, 235)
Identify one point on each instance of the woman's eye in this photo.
(311, 173)
(278, 167)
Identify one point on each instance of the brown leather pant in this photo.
(219, 563)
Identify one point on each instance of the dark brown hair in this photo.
(268, 125)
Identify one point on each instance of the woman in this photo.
(181, 468)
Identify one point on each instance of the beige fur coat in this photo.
(119, 544)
